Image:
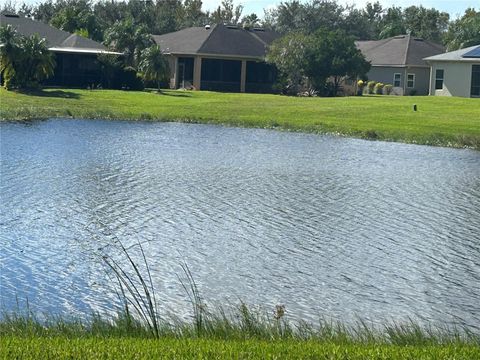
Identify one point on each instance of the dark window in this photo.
(221, 70)
(221, 75)
(439, 79)
(260, 77)
(410, 80)
(475, 91)
(76, 70)
(397, 77)
(260, 72)
(185, 71)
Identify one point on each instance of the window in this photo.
(410, 81)
(475, 91)
(397, 77)
(439, 79)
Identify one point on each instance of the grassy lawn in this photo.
(242, 335)
(439, 120)
(134, 348)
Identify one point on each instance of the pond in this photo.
(328, 226)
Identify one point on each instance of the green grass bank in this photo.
(131, 348)
(243, 334)
(439, 121)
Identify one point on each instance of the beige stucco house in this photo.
(219, 58)
(456, 73)
(399, 61)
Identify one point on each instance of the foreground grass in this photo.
(243, 335)
(439, 120)
(128, 348)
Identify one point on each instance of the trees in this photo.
(287, 17)
(425, 23)
(288, 55)
(36, 62)
(127, 37)
(464, 32)
(24, 61)
(167, 14)
(78, 17)
(250, 21)
(192, 14)
(9, 52)
(317, 59)
(392, 23)
(370, 23)
(153, 66)
(227, 13)
(333, 54)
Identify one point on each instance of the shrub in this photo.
(360, 87)
(127, 79)
(371, 86)
(388, 89)
(378, 89)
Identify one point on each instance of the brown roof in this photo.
(399, 50)
(217, 40)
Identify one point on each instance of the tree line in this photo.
(95, 19)
(317, 40)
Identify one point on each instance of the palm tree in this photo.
(24, 61)
(36, 63)
(8, 53)
(127, 37)
(153, 65)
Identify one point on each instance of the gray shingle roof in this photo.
(400, 50)
(218, 40)
(456, 55)
(186, 41)
(55, 38)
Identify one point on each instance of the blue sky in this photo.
(453, 7)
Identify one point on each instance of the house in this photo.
(219, 58)
(456, 73)
(76, 56)
(399, 61)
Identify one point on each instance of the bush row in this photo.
(373, 87)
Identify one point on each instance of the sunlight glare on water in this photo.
(332, 227)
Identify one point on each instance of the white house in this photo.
(456, 73)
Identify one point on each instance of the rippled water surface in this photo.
(328, 226)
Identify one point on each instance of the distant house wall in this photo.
(422, 80)
(386, 75)
(457, 78)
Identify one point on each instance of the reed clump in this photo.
(140, 318)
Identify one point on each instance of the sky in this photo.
(453, 7)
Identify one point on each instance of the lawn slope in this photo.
(135, 348)
(439, 121)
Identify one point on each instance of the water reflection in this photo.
(328, 226)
